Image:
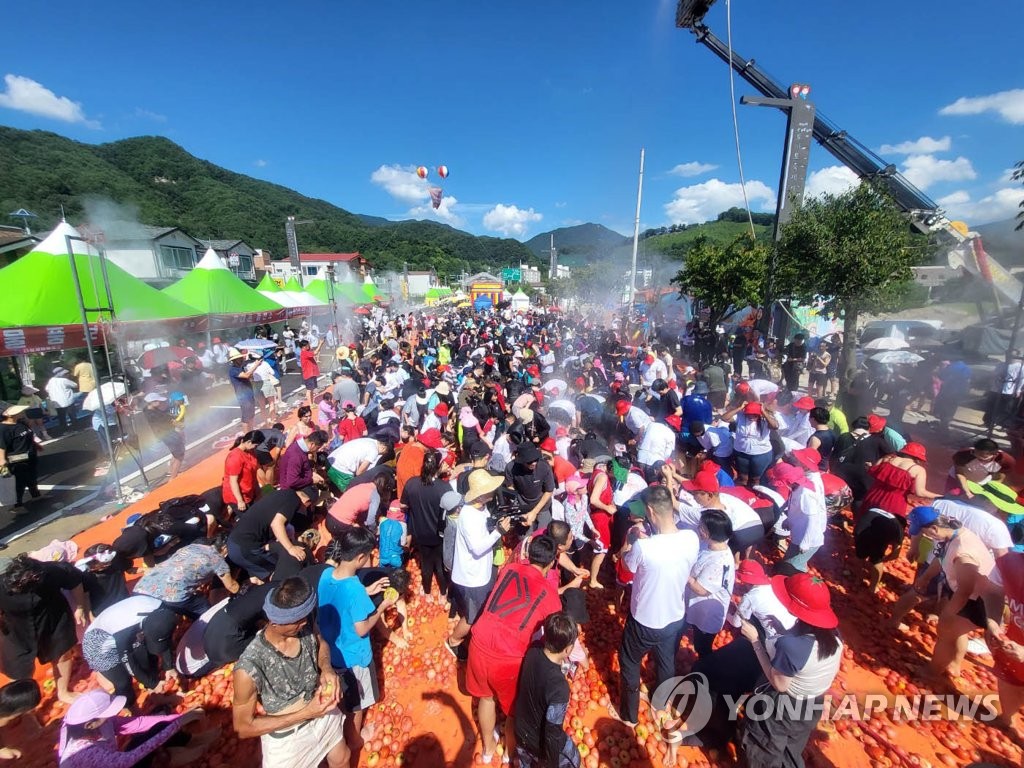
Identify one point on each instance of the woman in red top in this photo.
(882, 519)
(602, 508)
(351, 426)
(239, 488)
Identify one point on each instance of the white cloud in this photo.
(924, 170)
(401, 182)
(834, 180)
(561, 204)
(510, 220)
(26, 95)
(145, 114)
(704, 201)
(1002, 204)
(923, 146)
(445, 212)
(1009, 105)
(260, 163)
(692, 169)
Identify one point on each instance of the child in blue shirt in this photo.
(393, 537)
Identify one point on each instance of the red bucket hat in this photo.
(752, 572)
(430, 438)
(622, 407)
(875, 424)
(915, 451)
(809, 458)
(753, 409)
(806, 597)
(703, 481)
(805, 403)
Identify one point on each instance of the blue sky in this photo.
(539, 109)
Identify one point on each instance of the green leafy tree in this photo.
(849, 253)
(725, 278)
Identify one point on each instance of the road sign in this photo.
(511, 275)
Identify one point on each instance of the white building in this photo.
(529, 274)
(155, 254)
(237, 255)
(421, 281)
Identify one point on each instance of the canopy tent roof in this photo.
(215, 289)
(351, 292)
(319, 289)
(41, 291)
(370, 292)
(439, 292)
(303, 298)
(268, 285)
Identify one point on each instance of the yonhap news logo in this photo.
(688, 696)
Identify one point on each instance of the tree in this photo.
(725, 278)
(848, 253)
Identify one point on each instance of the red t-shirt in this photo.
(563, 469)
(1009, 571)
(307, 357)
(245, 465)
(350, 429)
(520, 601)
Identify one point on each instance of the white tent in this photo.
(520, 301)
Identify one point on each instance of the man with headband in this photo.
(287, 669)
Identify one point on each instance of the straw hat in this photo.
(482, 483)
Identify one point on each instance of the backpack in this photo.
(184, 508)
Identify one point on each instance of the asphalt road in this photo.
(67, 465)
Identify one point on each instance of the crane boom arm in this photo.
(839, 143)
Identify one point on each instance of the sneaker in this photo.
(452, 649)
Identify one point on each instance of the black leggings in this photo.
(431, 559)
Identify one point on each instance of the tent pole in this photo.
(92, 358)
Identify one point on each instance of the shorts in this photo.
(603, 524)
(269, 388)
(311, 383)
(263, 458)
(175, 443)
(359, 689)
(718, 399)
(817, 378)
(875, 532)
(470, 601)
(340, 479)
(491, 675)
(973, 610)
(35, 413)
(248, 410)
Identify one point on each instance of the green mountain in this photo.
(675, 241)
(42, 172)
(578, 244)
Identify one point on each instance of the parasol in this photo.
(886, 342)
(110, 392)
(163, 356)
(896, 357)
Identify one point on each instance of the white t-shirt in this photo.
(636, 420)
(763, 387)
(61, 391)
(762, 604)
(990, 529)
(125, 613)
(715, 569)
(658, 444)
(350, 455)
(807, 517)
(568, 406)
(474, 548)
(717, 441)
(662, 565)
(741, 514)
(753, 436)
(651, 373)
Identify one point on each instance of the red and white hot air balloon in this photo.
(442, 171)
(422, 172)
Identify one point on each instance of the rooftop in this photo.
(333, 257)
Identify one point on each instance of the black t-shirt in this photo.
(108, 586)
(796, 352)
(246, 608)
(530, 485)
(160, 421)
(17, 438)
(252, 531)
(541, 706)
(424, 516)
(826, 443)
(37, 623)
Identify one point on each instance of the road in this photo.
(67, 464)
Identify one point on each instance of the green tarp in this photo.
(268, 285)
(216, 290)
(38, 288)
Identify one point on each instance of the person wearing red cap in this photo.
(806, 514)
(800, 667)
(897, 477)
(757, 391)
(652, 369)
(752, 442)
(561, 468)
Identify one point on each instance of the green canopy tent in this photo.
(370, 292)
(40, 305)
(268, 287)
(216, 290)
(352, 293)
(301, 297)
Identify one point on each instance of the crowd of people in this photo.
(519, 461)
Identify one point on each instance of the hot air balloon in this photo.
(422, 172)
(442, 171)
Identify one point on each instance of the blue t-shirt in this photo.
(242, 387)
(343, 602)
(391, 533)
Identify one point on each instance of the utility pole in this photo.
(552, 259)
(636, 232)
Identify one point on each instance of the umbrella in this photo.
(361, 311)
(887, 342)
(255, 344)
(558, 384)
(163, 356)
(110, 392)
(896, 357)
